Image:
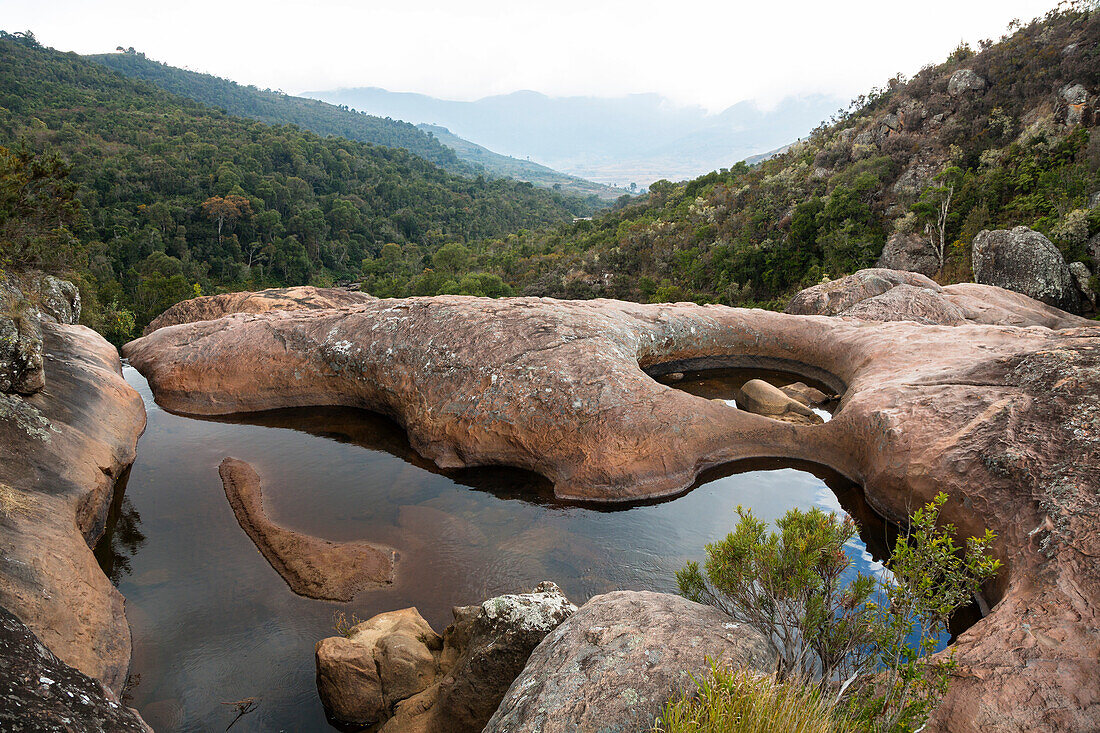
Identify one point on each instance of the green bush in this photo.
(869, 642)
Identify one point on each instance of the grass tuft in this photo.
(14, 502)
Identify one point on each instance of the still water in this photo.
(213, 623)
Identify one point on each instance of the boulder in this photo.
(1082, 278)
(1076, 98)
(395, 669)
(909, 252)
(806, 394)
(21, 359)
(908, 303)
(612, 666)
(384, 660)
(766, 399)
(39, 692)
(965, 82)
(834, 297)
(313, 567)
(1027, 262)
(209, 307)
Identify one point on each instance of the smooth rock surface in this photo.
(1025, 261)
(208, 307)
(61, 452)
(762, 398)
(1005, 420)
(909, 252)
(313, 567)
(41, 694)
(612, 666)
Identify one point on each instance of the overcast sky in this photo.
(713, 53)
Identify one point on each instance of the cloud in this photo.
(701, 52)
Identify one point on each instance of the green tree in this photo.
(38, 212)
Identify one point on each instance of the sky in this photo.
(709, 53)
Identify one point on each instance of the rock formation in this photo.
(1005, 420)
(909, 252)
(612, 666)
(26, 300)
(1027, 262)
(61, 451)
(394, 668)
(208, 307)
(762, 398)
(311, 566)
(890, 295)
(40, 693)
(965, 82)
(1081, 278)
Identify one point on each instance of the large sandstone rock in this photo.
(766, 399)
(1027, 262)
(305, 297)
(61, 451)
(394, 668)
(40, 693)
(612, 666)
(311, 566)
(1004, 420)
(890, 295)
(909, 252)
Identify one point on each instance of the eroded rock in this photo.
(1082, 278)
(208, 307)
(1025, 261)
(1004, 420)
(766, 399)
(313, 567)
(909, 252)
(612, 666)
(394, 668)
(965, 82)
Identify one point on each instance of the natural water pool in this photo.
(213, 623)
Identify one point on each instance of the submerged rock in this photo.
(612, 666)
(311, 566)
(40, 693)
(766, 399)
(1025, 261)
(394, 668)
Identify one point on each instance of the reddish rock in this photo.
(766, 399)
(61, 451)
(1005, 420)
(208, 307)
(311, 566)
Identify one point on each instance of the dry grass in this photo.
(742, 701)
(14, 502)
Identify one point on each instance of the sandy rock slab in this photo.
(305, 297)
(41, 694)
(311, 566)
(1002, 417)
(62, 450)
(612, 665)
(393, 670)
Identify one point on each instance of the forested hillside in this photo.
(1002, 136)
(170, 197)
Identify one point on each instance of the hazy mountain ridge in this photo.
(632, 139)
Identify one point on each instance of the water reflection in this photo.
(122, 536)
(213, 623)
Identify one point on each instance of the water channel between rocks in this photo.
(213, 623)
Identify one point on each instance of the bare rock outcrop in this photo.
(892, 295)
(40, 693)
(1024, 260)
(208, 307)
(394, 669)
(613, 665)
(965, 82)
(1005, 420)
(909, 252)
(311, 566)
(61, 451)
(26, 300)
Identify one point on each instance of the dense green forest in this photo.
(277, 108)
(168, 197)
(431, 143)
(1022, 151)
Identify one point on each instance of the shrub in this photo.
(740, 701)
(870, 642)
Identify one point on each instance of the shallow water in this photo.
(213, 623)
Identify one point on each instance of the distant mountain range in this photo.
(435, 144)
(617, 141)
